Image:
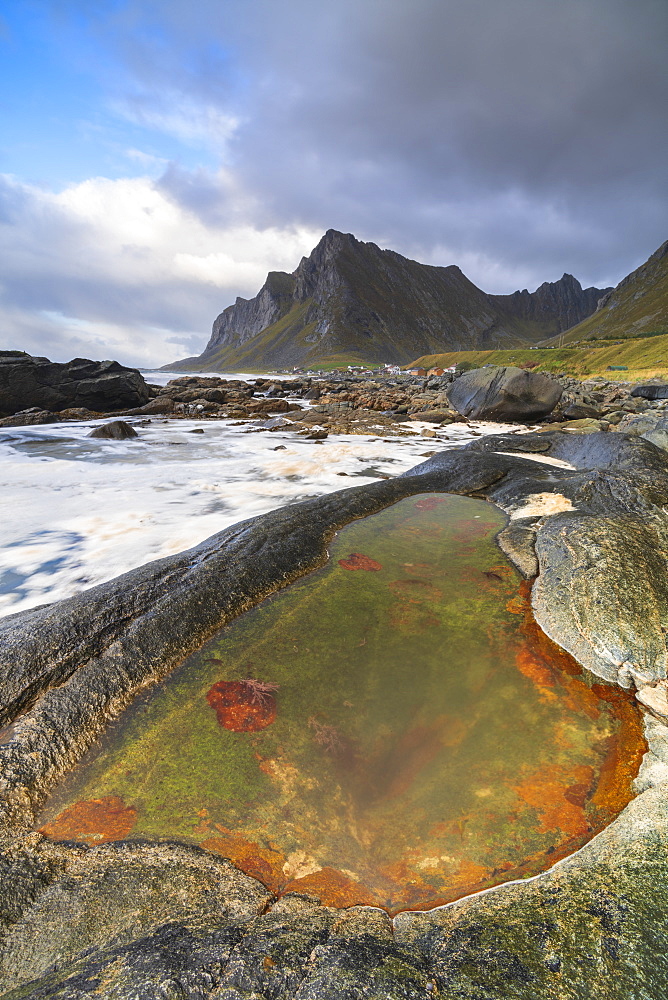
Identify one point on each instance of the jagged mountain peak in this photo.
(354, 301)
(635, 307)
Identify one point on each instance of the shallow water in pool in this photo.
(392, 729)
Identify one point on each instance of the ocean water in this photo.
(79, 511)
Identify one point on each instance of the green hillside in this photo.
(645, 357)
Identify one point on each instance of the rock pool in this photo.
(392, 729)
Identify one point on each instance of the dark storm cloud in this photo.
(516, 138)
(530, 133)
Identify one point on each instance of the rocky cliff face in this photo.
(562, 303)
(240, 322)
(351, 301)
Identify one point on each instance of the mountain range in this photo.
(636, 307)
(351, 302)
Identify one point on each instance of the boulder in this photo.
(583, 425)
(652, 426)
(433, 416)
(159, 404)
(117, 430)
(33, 415)
(579, 411)
(651, 390)
(506, 394)
(96, 385)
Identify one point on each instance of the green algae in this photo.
(426, 740)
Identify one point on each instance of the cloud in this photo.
(518, 139)
(194, 124)
(116, 267)
(530, 133)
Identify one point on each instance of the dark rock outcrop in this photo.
(509, 394)
(32, 415)
(352, 300)
(651, 390)
(117, 430)
(100, 386)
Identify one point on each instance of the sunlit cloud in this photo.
(116, 266)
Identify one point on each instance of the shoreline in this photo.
(639, 473)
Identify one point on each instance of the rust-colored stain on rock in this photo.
(333, 888)
(357, 560)
(238, 709)
(261, 862)
(94, 822)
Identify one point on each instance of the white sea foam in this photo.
(79, 510)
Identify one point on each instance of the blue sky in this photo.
(157, 158)
(71, 109)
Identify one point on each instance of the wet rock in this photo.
(77, 413)
(118, 430)
(434, 416)
(651, 390)
(120, 893)
(506, 394)
(33, 415)
(518, 542)
(215, 395)
(160, 404)
(313, 417)
(576, 931)
(269, 406)
(157, 920)
(655, 698)
(600, 591)
(97, 385)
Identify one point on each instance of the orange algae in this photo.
(333, 888)
(97, 821)
(261, 862)
(429, 503)
(238, 710)
(356, 560)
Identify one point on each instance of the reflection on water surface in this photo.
(392, 729)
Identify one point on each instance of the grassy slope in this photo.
(264, 344)
(644, 357)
